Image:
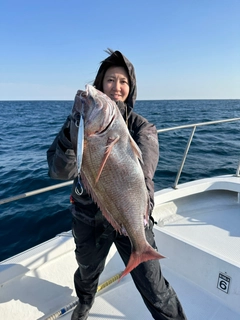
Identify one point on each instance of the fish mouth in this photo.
(106, 128)
(83, 94)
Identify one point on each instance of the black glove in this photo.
(64, 141)
(77, 106)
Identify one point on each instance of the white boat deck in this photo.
(200, 236)
(216, 229)
(45, 287)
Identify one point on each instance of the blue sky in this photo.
(181, 49)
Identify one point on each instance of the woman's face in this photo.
(116, 83)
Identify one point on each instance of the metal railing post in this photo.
(238, 170)
(184, 158)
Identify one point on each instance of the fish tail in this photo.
(136, 258)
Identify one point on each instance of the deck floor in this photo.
(118, 301)
(52, 283)
(121, 301)
(215, 229)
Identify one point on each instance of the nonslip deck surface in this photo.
(122, 302)
(212, 226)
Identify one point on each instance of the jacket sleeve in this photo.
(146, 137)
(61, 156)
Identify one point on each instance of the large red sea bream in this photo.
(109, 164)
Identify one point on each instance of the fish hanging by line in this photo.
(111, 171)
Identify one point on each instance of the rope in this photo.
(74, 303)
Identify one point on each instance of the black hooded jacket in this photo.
(62, 159)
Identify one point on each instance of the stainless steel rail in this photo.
(32, 193)
(193, 126)
(200, 124)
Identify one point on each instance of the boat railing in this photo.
(193, 126)
(34, 192)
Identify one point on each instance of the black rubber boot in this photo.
(80, 312)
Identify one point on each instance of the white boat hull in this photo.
(198, 230)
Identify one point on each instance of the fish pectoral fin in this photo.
(136, 149)
(110, 143)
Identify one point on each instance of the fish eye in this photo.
(77, 119)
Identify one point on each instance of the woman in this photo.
(92, 233)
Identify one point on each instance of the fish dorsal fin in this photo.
(110, 143)
(136, 149)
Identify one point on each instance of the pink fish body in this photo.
(112, 174)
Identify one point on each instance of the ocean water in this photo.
(29, 127)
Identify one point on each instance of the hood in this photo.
(116, 58)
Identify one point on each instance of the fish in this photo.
(111, 171)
